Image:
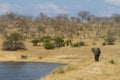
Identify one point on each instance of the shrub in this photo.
(45, 39)
(59, 42)
(35, 42)
(13, 42)
(14, 37)
(48, 46)
(110, 39)
(75, 45)
(68, 42)
(81, 43)
(13, 46)
(24, 56)
(103, 43)
(78, 44)
(111, 61)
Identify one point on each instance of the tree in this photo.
(40, 29)
(13, 42)
(14, 37)
(84, 16)
(116, 18)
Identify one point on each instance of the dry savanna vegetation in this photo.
(64, 39)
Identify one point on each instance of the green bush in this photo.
(75, 45)
(110, 39)
(24, 56)
(45, 39)
(48, 46)
(14, 37)
(78, 44)
(103, 43)
(68, 42)
(35, 42)
(59, 42)
(13, 42)
(111, 61)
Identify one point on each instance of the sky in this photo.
(55, 7)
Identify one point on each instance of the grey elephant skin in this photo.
(96, 52)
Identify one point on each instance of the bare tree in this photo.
(84, 16)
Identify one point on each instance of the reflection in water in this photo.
(25, 70)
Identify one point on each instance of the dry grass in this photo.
(81, 65)
(86, 68)
(64, 69)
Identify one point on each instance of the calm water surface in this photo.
(25, 70)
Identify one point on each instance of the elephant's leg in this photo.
(97, 57)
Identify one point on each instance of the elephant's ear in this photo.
(93, 50)
(98, 50)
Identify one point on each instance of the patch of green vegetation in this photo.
(46, 39)
(78, 44)
(112, 61)
(103, 43)
(13, 42)
(58, 42)
(24, 56)
(68, 42)
(48, 46)
(110, 39)
(75, 45)
(35, 42)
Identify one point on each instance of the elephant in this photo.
(96, 52)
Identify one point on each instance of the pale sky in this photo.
(55, 7)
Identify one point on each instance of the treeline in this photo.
(82, 26)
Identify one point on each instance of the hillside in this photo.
(84, 26)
